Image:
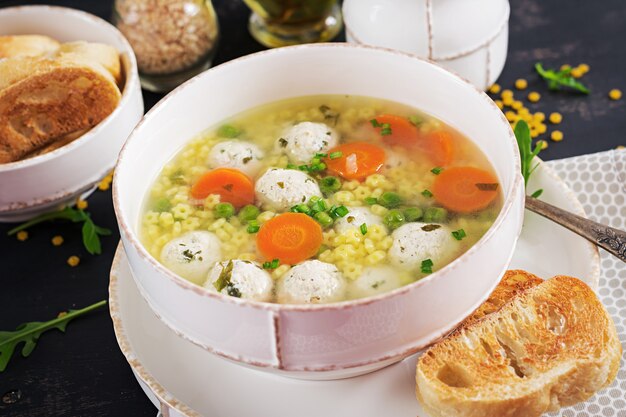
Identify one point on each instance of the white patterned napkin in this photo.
(599, 182)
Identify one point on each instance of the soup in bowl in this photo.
(285, 212)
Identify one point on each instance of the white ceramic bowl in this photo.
(333, 340)
(469, 37)
(36, 185)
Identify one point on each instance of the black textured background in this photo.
(83, 373)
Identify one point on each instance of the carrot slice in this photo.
(465, 189)
(233, 186)
(402, 131)
(355, 160)
(290, 238)
(438, 147)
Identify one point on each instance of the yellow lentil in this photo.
(22, 235)
(499, 104)
(565, 67)
(534, 133)
(506, 93)
(521, 84)
(556, 136)
(495, 88)
(81, 204)
(541, 128)
(543, 144)
(615, 94)
(539, 116)
(511, 116)
(73, 260)
(584, 68)
(577, 73)
(57, 240)
(517, 105)
(507, 101)
(534, 96)
(556, 118)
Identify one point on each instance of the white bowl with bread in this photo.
(279, 337)
(69, 97)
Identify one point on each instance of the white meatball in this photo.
(241, 155)
(416, 242)
(355, 218)
(281, 189)
(302, 141)
(375, 280)
(243, 279)
(191, 255)
(311, 282)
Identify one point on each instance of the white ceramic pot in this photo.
(468, 37)
(43, 183)
(333, 340)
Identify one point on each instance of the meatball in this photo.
(281, 189)
(191, 255)
(302, 141)
(355, 218)
(311, 282)
(375, 280)
(241, 155)
(416, 242)
(242, 279)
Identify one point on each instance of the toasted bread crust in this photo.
(550, 346)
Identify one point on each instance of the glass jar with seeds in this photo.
(172, 39)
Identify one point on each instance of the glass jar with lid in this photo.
(172, 39)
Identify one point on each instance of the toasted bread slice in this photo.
(26, 45)
(550, 346)
(46, 98)
(512, 283)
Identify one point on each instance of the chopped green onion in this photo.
(304, 168)
(394, 219)
(321, 155)
(335, 155)
(253, 226)
(249, 212)
(225, 210)
(323, 219)
(271, 265)
(318, 206)
(292, 166)
(228, 131)
(390, 200)
(329, 185)
(427, 193)
(435, 215)
(415, 120)
(459, 234)
(375, 123)
(370, 201)
(301, 208)
(413, 214)
(436, 170)
(386, 129)
(315, 161)
(336, 212)
(363, 229)
(427, 266)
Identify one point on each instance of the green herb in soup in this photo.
(320, 199)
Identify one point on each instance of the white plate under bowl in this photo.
(182, 379)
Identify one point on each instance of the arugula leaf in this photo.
(91, 232)
(527, 153)
(561, 78)
(28, 334)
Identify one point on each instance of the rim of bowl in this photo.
(130, 82)
(133, 238)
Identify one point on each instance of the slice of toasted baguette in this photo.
(26, 45)
(46, 98)
(512, 283)
(550, 346)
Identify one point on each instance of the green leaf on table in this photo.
(527, 153)
(91, 232)
(27, 334)
(559, 79)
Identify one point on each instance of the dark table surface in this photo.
(83, 373)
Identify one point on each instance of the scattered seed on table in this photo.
(57, 240)
(81, 204)
(615, 94)
(521, 84)
(556, 136)
(73, 260)
(22, 235)
(534, 96)
(494, 89)
(555, 118)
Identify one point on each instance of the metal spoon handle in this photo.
(608, 238)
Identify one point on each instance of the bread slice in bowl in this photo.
(551, 345)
